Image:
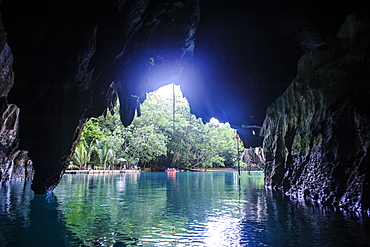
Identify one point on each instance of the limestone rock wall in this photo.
(317, 133)
(72, 59)
(14, 163)
(254, 158)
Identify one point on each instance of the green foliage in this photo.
(144, 143)
(97, 154)
(102, 154)
(81, 157)
(92, 131)
(181, 142)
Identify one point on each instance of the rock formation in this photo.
(254, 158)
(13, 162)
(317, 133)
(72, 59)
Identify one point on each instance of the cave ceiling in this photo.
(231, 58)
(247, 51)
(244, 56)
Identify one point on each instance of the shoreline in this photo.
(99, 171)
(148, 170)
(212, 169)
(220, 169)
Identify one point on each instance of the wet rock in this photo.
(317, 133)
(22, 166)
(254, 158)
(6, 72)
(73, 59)
(8, 140)
(14, 163)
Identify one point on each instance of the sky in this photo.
(167, 93)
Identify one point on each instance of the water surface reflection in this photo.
(30, 220)
(159, 209)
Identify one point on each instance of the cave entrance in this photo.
(166, 135)
(248, 141)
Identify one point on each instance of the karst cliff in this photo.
(73, 59)
(14, 163)
(317, 134)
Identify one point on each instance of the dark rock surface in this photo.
(14, 163)
(72, 59)
(254, 158)
(22, 166)
(317, 134)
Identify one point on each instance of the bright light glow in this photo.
(214, 121)
(166, 91)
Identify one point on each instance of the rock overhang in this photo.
(245, 53)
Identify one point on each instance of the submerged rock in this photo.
(317, 133)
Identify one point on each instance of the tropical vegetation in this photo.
(165, 135)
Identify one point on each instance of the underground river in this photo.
(169, 209)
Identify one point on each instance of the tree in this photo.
(174, 136)
(103, 155)
(81, 157)
(190, 142)
(92, 131)
(144, 144)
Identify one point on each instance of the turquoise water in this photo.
(177, 209)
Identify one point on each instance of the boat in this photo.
(172, 170)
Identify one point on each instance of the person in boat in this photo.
(171, 170)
